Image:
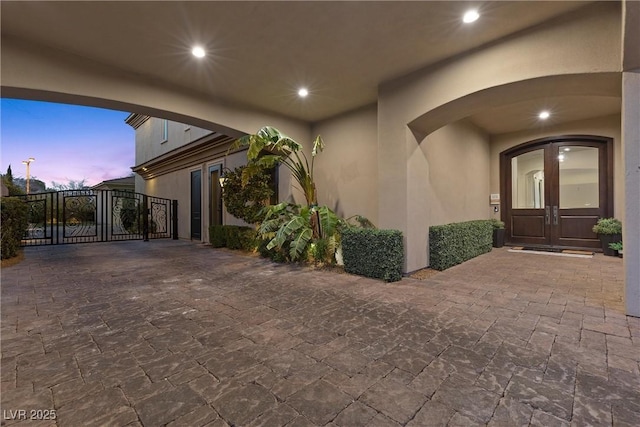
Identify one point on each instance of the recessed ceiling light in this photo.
(303, 92)
(567, 149)
(544, 115)
(470, 16)
(198, 52)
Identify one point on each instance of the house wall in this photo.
(577, 55)
(149, 138)
(448, 180)
(177, 186)
(346, 172)
(585, 59)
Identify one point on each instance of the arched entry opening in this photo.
(553, 190)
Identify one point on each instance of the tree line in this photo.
(18, 185)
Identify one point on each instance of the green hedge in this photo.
(13, 225)
(217, 236)
(373, 253)
(233, 237)
(453, 244)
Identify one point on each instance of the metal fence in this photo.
(83, 216)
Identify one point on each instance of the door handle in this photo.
(555, 215)
(547, 215)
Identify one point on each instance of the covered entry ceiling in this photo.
(260, 53)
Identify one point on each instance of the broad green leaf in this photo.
(268, 161)
(256, 145)
(299, 243)
(328, 221)
(287, 230)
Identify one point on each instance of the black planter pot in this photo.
(605, 239)
(498, 237)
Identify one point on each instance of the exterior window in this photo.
(165, 131)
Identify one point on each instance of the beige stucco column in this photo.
(631, 153)
(631, 144)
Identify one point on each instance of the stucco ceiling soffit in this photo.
(579, 96)
(330, 45)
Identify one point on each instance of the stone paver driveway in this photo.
(175, 333)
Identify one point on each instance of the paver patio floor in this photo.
(177, 333)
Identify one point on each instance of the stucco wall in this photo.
(346, 172)
(631, 158)
(409, 108)
(601, 126)
(177, 185)
(448, 180)
(149, 138)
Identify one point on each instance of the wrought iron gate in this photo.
(83, 216)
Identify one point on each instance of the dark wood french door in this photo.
(196, 205)
(555, 189)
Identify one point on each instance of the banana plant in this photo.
(288, 226)
(282, 150)
(286, 223)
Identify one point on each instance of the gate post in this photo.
(145, 218)
(174, 219)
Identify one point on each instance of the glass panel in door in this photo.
(527, 180)
(579, 183)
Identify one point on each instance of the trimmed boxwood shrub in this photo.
(455, 243)
(217, 236)
(248, 239)
(13, 225)
(232, 234)
(373, 253)
(233, 237)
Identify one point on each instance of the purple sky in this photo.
(69, 142)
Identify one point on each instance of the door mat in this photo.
(569, 251)
(552, 251)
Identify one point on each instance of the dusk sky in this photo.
(69, 142)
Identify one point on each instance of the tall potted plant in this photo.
(609, 230)
(498, 233)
